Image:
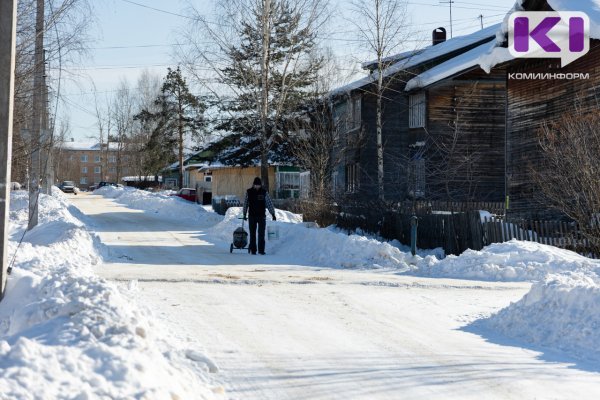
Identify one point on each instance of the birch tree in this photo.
(382, 26)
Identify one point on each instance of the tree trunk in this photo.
(264, 112)
(380, 176)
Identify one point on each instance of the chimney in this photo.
(438, 35)
(72, 139)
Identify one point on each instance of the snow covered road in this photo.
(279, 329)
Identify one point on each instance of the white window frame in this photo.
(83, 180)
(352, 178)
(97, 159)
(97, 170)
(112, 170)
(84, 170)
(289, 181)
(417, 110)
(84, 158)
(112, 159)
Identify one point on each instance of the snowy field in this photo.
(323, 315)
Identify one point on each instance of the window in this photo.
(416, 176)
(112, 170)
(335, 177)
(84, 170)
(355, 114)
(208, 179)
(417, 106)
(84, 158)
(97, 170)
(83, 181)
(352, 181)
(97, 158)
(340, 116)
(288, 185)
(112, 159)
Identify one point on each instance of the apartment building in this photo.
(88, 163)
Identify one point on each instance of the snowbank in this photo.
(171, 207)
(562, 313)
(511, 261)
(65, 333)
(320, 247)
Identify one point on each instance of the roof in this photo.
(150, 178)
(455, 65)
(501, 54)
(427, 54)
(86, 146)
(494, 53)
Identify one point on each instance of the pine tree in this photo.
(270, 71)
(180, 115)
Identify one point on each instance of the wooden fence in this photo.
(565, 235)
(429, 207)
(457, 232)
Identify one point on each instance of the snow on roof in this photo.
(149, 178)
(501, 54)
(428, 54)
(394, 58)
(488, 56)
(86, 146)
(453, 66)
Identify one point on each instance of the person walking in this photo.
(257, 201)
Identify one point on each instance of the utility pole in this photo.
(47, 142)
(481, 19)
(449, 2)
(36, 122)
(8, 28)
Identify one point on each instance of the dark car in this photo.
(67, 186)
(102, 184)
(186, 193)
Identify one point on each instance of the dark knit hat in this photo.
(257, 181)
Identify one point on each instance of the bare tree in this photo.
(122, 112)
(382, 26)
(146, 92)
(452, 169)
(568, 175)
(66, 24)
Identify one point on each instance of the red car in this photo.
(187, 194)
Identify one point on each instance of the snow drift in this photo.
(562, 313)
(511, 261)
(65, 333)
(164, 205)
(320, 247)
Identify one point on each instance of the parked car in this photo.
(102, 184)
(187, 194)
(67, 187)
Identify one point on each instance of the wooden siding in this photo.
(236, 180)
(466, 141)
(396, 138)
(530, 104)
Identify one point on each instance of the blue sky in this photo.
(129, 38)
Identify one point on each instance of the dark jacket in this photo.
(257, 202)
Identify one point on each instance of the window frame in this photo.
(417, 110)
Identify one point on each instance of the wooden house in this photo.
(441, 141)
(536, 96)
